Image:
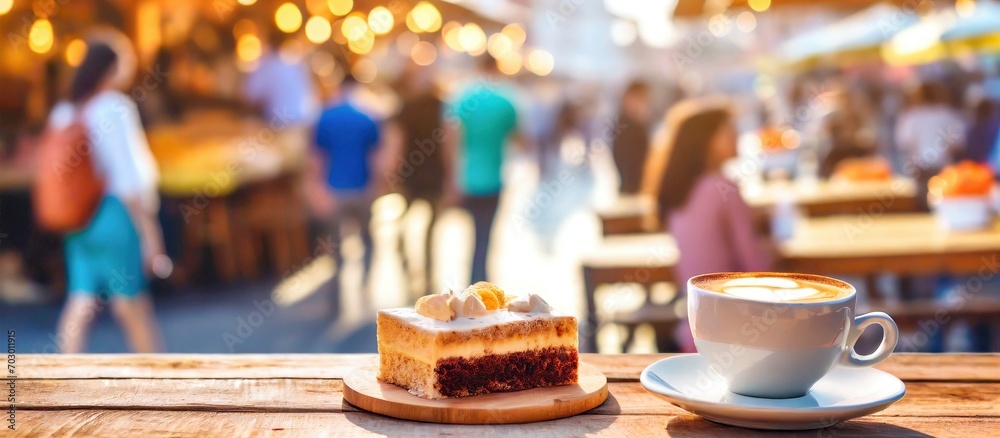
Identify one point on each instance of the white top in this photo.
(928, 134)
(118, 143)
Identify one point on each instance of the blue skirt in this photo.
(105, 257)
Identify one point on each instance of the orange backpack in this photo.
(67, 187)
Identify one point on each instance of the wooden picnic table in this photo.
(301, 395)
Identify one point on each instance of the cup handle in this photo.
(889, 338)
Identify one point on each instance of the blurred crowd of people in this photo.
(446, 146)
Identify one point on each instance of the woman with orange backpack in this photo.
(112, 235)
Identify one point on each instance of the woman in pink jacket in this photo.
(701, 208)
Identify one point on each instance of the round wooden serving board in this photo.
(363, 390)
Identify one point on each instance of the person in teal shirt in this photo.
(481, 120)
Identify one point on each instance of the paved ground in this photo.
(208, 320)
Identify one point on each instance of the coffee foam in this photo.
(778, 288)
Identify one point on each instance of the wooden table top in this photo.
(300, 395)
(802, 193)
(827, 191)
(886, 235)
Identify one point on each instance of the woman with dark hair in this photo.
(108, 259)
(706, 215)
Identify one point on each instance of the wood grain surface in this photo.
(302, 395)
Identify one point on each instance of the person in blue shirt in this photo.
(346, 140)
(481, 122)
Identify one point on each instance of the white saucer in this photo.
(845, 393)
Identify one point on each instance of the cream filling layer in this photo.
(472, 348)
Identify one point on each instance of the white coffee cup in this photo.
(780, 349)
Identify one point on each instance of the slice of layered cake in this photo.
(475, 342)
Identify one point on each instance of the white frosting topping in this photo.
(411, 317)
(529, 304)
(447, 306)
(436, 306)
(469, 304)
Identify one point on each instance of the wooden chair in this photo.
(208, 225)
(272, 215)
(643, 259)
(628, 215)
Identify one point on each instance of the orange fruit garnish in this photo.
(491, 295)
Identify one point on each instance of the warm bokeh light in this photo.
(965, 8)
(243, 27)
(510, 65)
(318, 30)
(288, 18)
(450, 32)
(248, 47)
(516, 34)
(746, 21)
(423, 53)
(340, 7)
(759, 5)
(540, 62)
(5, 6)
(500, 45)
(354, 27)
(424, 17)
(472, 38)
(75, 51)
(364, 70)
(40, 36)
(246, 2)
(363, 43)
(481, 50)
(380, 20)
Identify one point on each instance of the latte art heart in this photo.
(776, 295)
(775, 289)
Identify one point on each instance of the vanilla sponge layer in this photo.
(405, 332)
